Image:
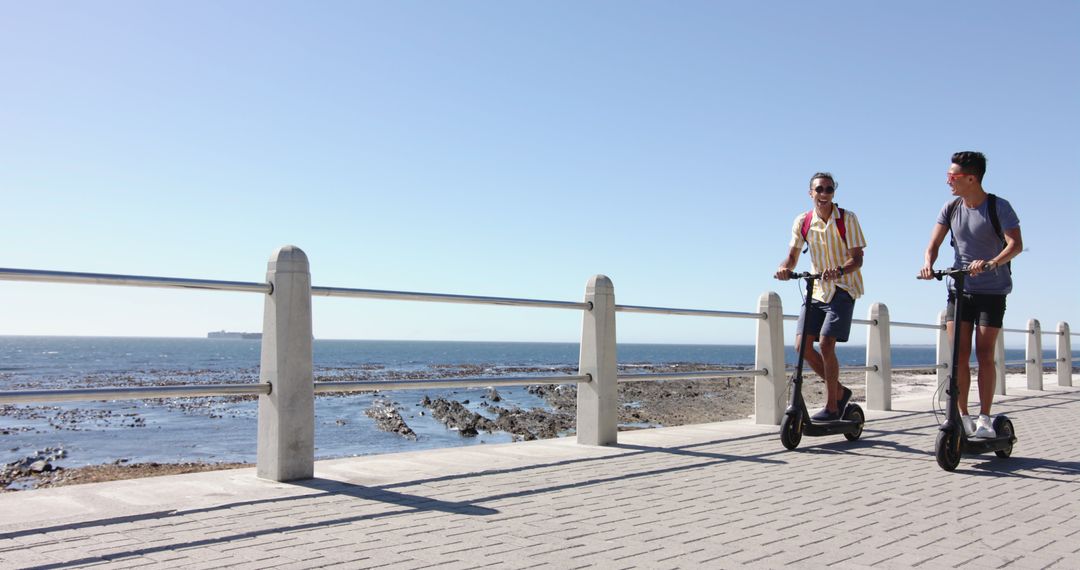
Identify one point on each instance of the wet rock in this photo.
(533, 424)
(388, 418)
(455, 415)
(492, 395)
(40, 466)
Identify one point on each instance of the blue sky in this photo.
(515, 149)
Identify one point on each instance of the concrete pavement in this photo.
(722, 495)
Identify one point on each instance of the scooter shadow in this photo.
(985, 465)
(866, 445)
(1026, 468)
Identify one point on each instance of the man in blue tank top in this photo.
(986, 236)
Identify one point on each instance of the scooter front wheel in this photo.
(790, 431)
(947, 450)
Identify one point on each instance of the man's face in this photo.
(822, 191)
(958, 181)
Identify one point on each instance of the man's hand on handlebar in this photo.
(785, 274)
(927, 272)
(980, 265)
(832, 274)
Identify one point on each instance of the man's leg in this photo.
(985, 341)
(963, 368)
(820, 362)
(836, 329)
(830, 372)
(812, 357)
(811, 318)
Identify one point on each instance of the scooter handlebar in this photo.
(804, 275)
(940, 273)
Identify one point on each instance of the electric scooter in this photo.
(796, 419)
(952, 440)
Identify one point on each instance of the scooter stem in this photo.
(802, 332)
(952, 418)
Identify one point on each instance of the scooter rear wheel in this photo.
(790, 432)
(1004, 428)
(854, 413)
(947, 450)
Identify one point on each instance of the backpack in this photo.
(991, 206)
(809, 217)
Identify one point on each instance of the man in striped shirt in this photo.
(835, 241)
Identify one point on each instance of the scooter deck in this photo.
(830, 428)
(977, 445)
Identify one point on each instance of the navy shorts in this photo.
(828, 319)
(979, 309)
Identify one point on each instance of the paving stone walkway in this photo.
(723, 495)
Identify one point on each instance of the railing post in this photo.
(999, 364)
(1034, 356)
(944, 356)
(879, 354)
(770, 391)
(1064, 355)
(598, 400)
(286, 440)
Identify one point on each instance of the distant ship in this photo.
(235, 335)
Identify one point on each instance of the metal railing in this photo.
(38, 276)
(94, 394)
(444, 298)
(690, 312)
(938, 366)
(132, 393)
(871, 322)
(702, 375)
(286, 445)
(479, 382)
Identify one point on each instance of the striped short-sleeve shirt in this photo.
(828, 251)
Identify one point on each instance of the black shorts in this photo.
(980, 309)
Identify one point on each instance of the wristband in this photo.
(840, 269)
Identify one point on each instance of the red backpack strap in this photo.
(807, 218)
(840, 225)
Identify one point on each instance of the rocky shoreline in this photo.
(642, 405)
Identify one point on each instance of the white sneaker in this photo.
(984, 427)
(969, 425)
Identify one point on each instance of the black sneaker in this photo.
(841, 404)
(824, 415)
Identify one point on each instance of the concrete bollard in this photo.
(999, 364)
(1064, 355)
(286, 440)
(878, 353)
(770, 391)
(1034, 356)
(944, 356)
(598, 401)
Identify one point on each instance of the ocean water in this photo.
(218, 429)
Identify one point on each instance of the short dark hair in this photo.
(826, 175)
(971, 162)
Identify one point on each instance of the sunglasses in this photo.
(954, 175)
(825, 189)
